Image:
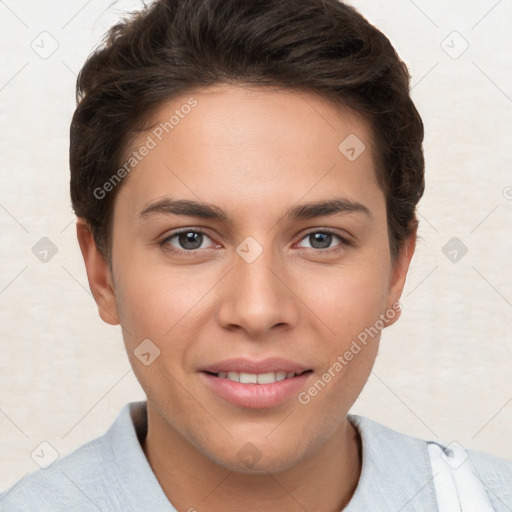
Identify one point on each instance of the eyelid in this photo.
(174, 234)
(331, 231)
(345, 240)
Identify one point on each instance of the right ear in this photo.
(98, 274)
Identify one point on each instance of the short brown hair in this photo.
(172, 47)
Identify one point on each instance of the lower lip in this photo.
(255, 396)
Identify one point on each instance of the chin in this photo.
(249, 460)
(263, 467)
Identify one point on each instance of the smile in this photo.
(257, 378)
(256, 390)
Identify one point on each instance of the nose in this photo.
(258, 295)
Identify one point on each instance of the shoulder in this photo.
(393, 439)
(494, 471)
(388, 448)
(68, 483)
(89, 478)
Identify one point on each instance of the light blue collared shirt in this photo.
(111, 473)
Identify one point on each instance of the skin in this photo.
(254, 152)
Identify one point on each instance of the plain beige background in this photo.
(444, 370)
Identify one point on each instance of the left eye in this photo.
(322, 239)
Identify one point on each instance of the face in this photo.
(253, 282)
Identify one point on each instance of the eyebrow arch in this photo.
(186, 207)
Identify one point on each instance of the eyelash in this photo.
(165, 242)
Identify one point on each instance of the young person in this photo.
(245, 177)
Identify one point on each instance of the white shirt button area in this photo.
(458, 486)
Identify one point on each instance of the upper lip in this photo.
(240, 364)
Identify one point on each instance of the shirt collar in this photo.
(396, 473)
(136, 474)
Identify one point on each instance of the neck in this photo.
(193, 482)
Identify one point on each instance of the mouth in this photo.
(257, 378)
(253, 384)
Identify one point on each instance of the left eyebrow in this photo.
(326, 208)
(311, 210)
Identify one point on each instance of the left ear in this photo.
(399, 273)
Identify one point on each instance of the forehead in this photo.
(254, 143)
(244, 117)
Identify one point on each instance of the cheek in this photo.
(351, 305)
(159, 300)
(348, 300)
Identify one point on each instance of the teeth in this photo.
(234, 376)
(248, 378)
(267, 378)
(253, 378)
